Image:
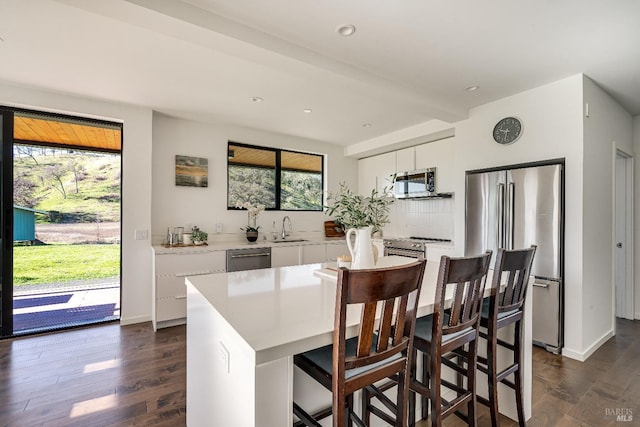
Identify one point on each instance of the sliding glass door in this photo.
(60, 199)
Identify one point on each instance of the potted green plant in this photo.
(360, 216)
(251, 232)
(352, 210)
(198, 237)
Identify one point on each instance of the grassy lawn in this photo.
(64, 263)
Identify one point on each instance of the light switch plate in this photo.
(142, 234)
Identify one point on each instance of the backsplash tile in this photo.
(426, 218)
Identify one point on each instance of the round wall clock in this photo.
(507, 130)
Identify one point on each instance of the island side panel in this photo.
(274, 393)
(220, 370)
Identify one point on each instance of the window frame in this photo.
(278, 175)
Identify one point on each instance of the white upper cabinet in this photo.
(406, 159)
(438, 154)
(376, 172)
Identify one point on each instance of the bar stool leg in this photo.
(425, 380)
(471, 382)
(492, 344)
(412, 395)
(517, 358)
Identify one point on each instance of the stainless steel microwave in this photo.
(417, 183)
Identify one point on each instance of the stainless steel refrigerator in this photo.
(516, 207)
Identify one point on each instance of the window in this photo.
(278, 179)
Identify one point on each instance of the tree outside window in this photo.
(278, 179)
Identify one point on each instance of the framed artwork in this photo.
(192, 171)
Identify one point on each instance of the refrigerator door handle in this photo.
(500, 217)
(511, 191)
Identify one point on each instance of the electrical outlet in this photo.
(219, 228)
(225, 358)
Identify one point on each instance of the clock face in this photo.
(507, 130)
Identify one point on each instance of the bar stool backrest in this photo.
(464, 279)
(392, 294)
(512, 269)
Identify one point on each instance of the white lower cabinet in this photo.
(312, 254)
(334, 250)
(169, 292)
(435, 252)
(284, 256)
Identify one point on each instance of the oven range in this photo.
(412, 247)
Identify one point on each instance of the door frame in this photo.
(6, 223)
(628, 225)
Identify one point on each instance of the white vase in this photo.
(362, 250)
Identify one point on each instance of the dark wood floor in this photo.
(122, 376)
(98, 376)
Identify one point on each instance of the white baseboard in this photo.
(637, 316)
(133, 320)
(584, 355)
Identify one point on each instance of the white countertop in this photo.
(243, 244)
(239, 244)
(283, 311)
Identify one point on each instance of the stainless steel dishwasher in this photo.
(248, 259)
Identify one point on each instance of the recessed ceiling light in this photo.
(256, 99)
(366, 125)
(346, 30)
(307, 110)
(472, 88)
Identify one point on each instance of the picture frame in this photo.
(192, 171)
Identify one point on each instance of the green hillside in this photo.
(74, 186)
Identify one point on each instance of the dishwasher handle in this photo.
(250, 255)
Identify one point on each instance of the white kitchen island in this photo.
(243, 329)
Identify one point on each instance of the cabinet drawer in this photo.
(170, 287)
(171, 308)
(184, 264)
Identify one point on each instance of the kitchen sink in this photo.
(290, 241)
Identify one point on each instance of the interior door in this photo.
(6, 223)
(623, 222)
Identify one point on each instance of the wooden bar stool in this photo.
(449, 329)
(504, 307)
(382, 347)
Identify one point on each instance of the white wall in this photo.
(607, 125)
(136, 184)
(204, 207)
(552, 128)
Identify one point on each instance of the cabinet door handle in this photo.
(541, 285)
(181, 297)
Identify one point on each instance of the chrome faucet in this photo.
(284, 232)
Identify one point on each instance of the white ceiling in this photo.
(408, 62)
